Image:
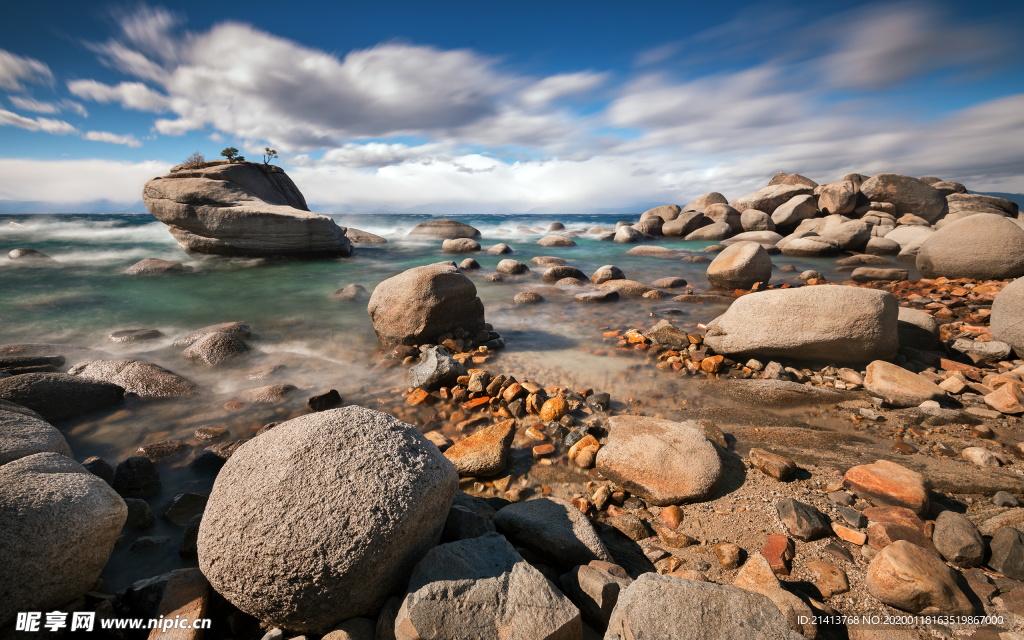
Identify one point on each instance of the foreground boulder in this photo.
(554, 529)
(905, 576)
(909, 195)
(657, 606)
(1008, 316)
(899, 387)
(481, 589)
(141, 378)
(59, 396)
(740, 266)
(886, 483)
(983, 247)
(241, 209)
(24, 435)
(364, 495)
(58, 525)
(834, 323)
(419, 304)
(663, 462)
(444, 228)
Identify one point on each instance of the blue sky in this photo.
(524, 106)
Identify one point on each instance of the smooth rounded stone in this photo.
(909, 195)
(981, 457)
(136, 477)
(627, 235)
(237, 328)
(656, 606)
(772, 392)
(713, 231)
(958, 540)
(685, 224)
(58, 526)
(554, 529)
(469, 263)
(559, 272)
(810, 275)
(547, 261)
(354, 629)
(810, 247)
(144, 379)
(886, 483)
(796, 210)
(269, 394)
(740, 266)
(760, 237)
(59, 396)
(527, 297)
(156, 266)
(905, 576)
(669, 283)
(850, 236)
(1008, 553)
(140, 516)
(443, 228)
(448, 589)
(653, 251)
(803, 521)
(627, 288)
(727, 214)
(983, 247)
(216, 348)
(556, 226)
(23, 435)
(650, 227)
(422, 303)
(100, 468)
(917, 329)
(499, 249)
(483, 453)
(243, 209)
(899, 387)
(770, 198)
(1007, 320)
(666, 212)
(126, 336)
(833, 323)
(597, 296)
(512, 267)
(351, 292)
(556, 241)
(436, 368)
(662, 461)
(460, 245)
(365, 490)
(990, 352)
(358, 236)
(875, 274)
(606, 273)
(838, 197)
(882, 247)
(29, 256)
(570, 282)
(754, 220)
(965, 204)
(705, 201)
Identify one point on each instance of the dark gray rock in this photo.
(595, 591)
(140, 516)
(189, 545)
(99, 467)
(185, 506)
(463, 523)
(554, 529)
(803, 521)
(436, 368)
(136, 477)
(958, 540)
(1007, 557)
(59, 396)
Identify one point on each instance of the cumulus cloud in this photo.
(76, 180)
(37, 106)
(15, 69)
(112, 138)
(130, 95)
(48, 125)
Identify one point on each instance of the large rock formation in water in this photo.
(242, 209)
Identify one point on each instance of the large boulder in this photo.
(684, 224)
(59, 396)
(706, 200)
(58, 526)
(482, 589)
(662, 461)
(141, 378)
(444, 228)
(985, 246)
(665, 212)
(422, 303)
(833, 323)
(1007, 321)
(241, 209)
(770, 198)
(905, 576)
(554, 529)
(324, 516)
(728, 215)
(838, 197)
(909, 195)
(24, 435)
(917, 329)
(962, 205)
(795, 210)
(740, 266)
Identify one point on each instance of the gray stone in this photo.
(29, 256)
(803, 521)
(140, 516)
(216, 348)
(1007, 557)
(770, 198)
(964, 204)
(512, 267)
(882, 247)
(704, 201)
(711, 231)
(606, 273)
(917, 329)
(185, 506)
(556, 241)
(850, 236)
(499, 249)
(772, 392)
(99, 467)
(369, 493)
(351, 292)
(727, 214)
(754, 220)
(795, 211)
(554, 529)
(58, 526)
(469, 263)
(464, 522)
(740, 266)
(809, 247)
(141, 378)
(23, 435)
(685, 224)
(1007, 321)
(189, 545)
(358, 236)
(156, 266)
(875, 274)
(237, 328)
(460, 245)
(1003, 499)
(595, 591)
(666, 212)
(958, 540)
(562, 271)
(668, 335)
(136, 477)
(983, 247)
(627, 235)
(443, 228)
(909, 195)
(59, 396)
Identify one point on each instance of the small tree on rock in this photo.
(231, 154)
(269, 155)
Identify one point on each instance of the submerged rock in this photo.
(216, 348)
(59, 396)
(444, 228)
(238, 327)
(141, 378)
(156, 266)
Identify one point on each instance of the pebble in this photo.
(779, 552)
(729, 555)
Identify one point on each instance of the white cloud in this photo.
(37, 106)
(76, 180)
(47, 125)
(131, 95)
(543, 92)
(112, 138)
(15, 69)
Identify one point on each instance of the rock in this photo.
(980, 456)
(553, 409)
(527, 297)
(704, 201)
(1008, 398)
(655, 606)
(141, 378)
(379, 507)
(126, 336)
(241, 209)
(909, 578)
(22, 435)
(58, 526)
(351, 292)
(909, 195)
(140, 516)
(838, 197)
(887, 483)
(850, 236)
(771, 464)
(627, 288)
(354, 629)
(460, 245)
(597, 296)
(711, 231)
(668, 335)
(59, 396)
(484, 452)
(606, 273)
(757, 576)
(669, 283)
(917, 329)
(661, 461)
(729, 555)
(833, 323)
(983, 247)
(29, 256)
(422, 303)
(740, 266)
(554, 529)
(685, 224)
(469, 263)
(357, 236)
(874, 274)
(764, 238)
(724, 213)
(464, 523)
(899, 387)
(962, 204)
(796, 210)
(666, 212)
(156, 266)
(1007, 320)
(595, 591)
(236, 328)
(882, 247)
(627, 235)
(809, 247)
(958, 540)
(216, 348)
(1008, 553)
(443, 228)
(754, 220)
(136, 477)
(803, 521)
(499, 249)
(436, 368)
(99, 467)
(324, 401)
(450, 584)
(559, 272)
(649, 227)
(772, 392)
(512, 267)
(1003, 499)
(547, 261)
(556, 241)
(770, 198)
(653, 251)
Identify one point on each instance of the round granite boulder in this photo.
(1008, 316)
(444, 228)
(984, 246)
(59, 396)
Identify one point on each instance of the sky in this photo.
(470, 107)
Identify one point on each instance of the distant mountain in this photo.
(1012, 197)
(95, 206)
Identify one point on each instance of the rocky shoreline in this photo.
(813, 450)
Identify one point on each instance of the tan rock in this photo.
(850, 535)
(1009, 398)
(756, 575)
(187, 595)
(554, 409)
(772, 464)
(899, 387)
(829, 579)
(888, 484)
(484, 452)
(909, 578)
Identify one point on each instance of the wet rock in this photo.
(771, 464)
(653, 251)
(740, 266)
(1008, 553)
(771, 392)
(156, 266)
(23, 435)
(628, 235)
(669, 283)
(899, 387)
(469, 263)
(449, 584)
(559, 272)
(606, 273)
(527, 297)
(1007, 320)
(958, 540)
(324, 401)
(662, 461)
(436, 368)
(512, 267)
(803, 521)
(140, 516)
(100, 468)
(483, 453)
(499, 249)
(351, 292)
(144, 379)
(909, 195)
(237, 328)
(358, 236)
(554, 529)
(667, 335)
(556, 241)
(59, 396)
(627, 288)
(757, 576)
(216, 348)
(185, 506)
(887, 483)
(29, 256)
(909, 578)
(460, 245)
(917, 329)
(983, 246)
(443, 228)
(136, 477)
(597, 296)
(213, 458)
(134, 335)
(379, 507)
(58, 526)
(547, 261)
